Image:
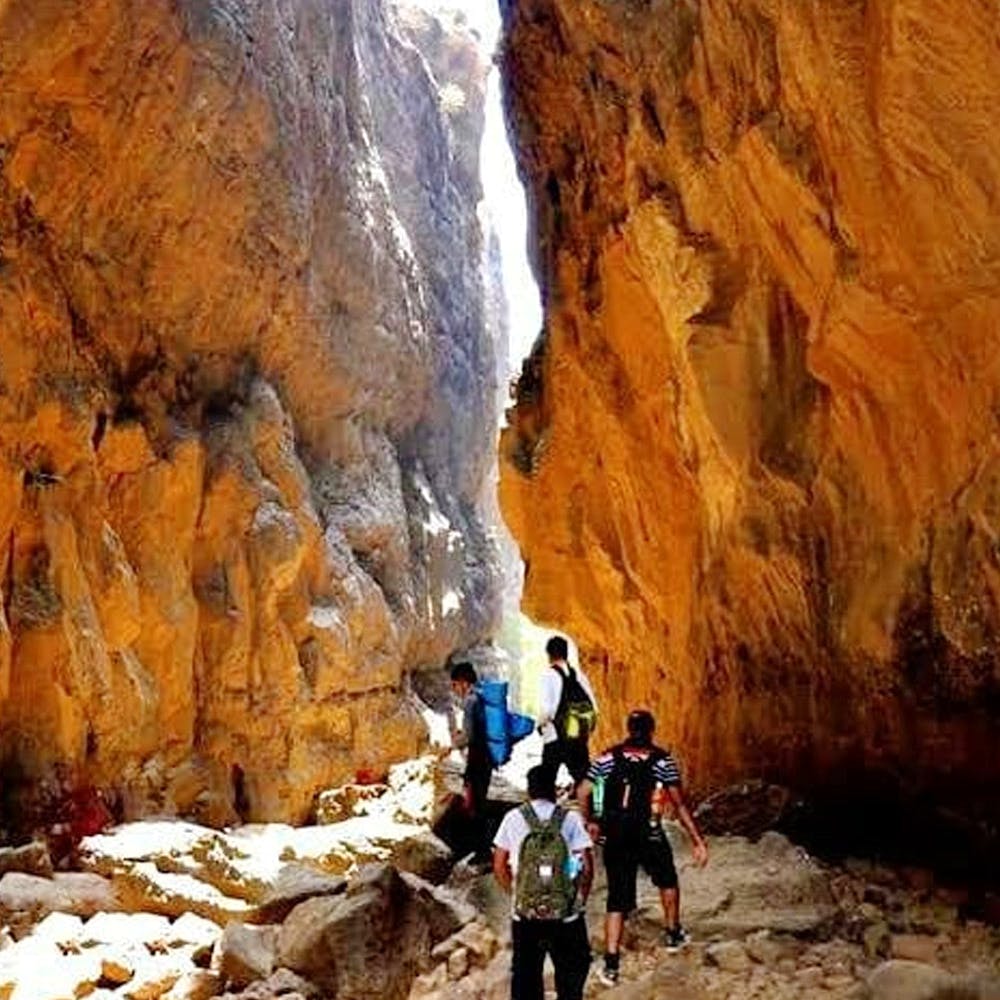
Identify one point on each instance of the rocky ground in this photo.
(769, 921)
(366, 904)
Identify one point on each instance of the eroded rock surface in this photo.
(753, 465)
(248, 395)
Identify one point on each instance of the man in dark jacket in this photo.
(478, 763)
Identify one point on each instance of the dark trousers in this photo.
(573, 753)
(569, 948)
(477, 781)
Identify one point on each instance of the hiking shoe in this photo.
(609, 974)
(675, 938)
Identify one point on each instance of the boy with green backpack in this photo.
(543, 856)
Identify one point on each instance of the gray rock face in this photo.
(295, 884)
(246, 953)
(249, 393)
(903, 980)
(371, 942)
(771, 885)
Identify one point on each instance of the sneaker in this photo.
(609, 974)
(675, 938)
(609, 977)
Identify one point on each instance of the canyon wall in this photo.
(247, 393)
(753, 465)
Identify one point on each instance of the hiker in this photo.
(544, 857)
(478, 763)
(628, 787)
(567, 713)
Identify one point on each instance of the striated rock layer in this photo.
(754, 463)
(247, 394)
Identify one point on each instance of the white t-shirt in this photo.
(514, 829)
(550, 694)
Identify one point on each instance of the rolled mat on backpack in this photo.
(503, 728)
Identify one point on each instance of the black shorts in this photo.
(624, 854)
(573, 753)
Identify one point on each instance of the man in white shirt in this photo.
(557, 747)
(563, 938)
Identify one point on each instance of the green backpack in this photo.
(545, 889)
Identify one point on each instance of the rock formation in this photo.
(248, 394)
(753, 465)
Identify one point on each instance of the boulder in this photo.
(31, 859)
(152, 985)
(915, 947)
(295, 884)
(284, 984)
(747, 809)
(116, 970)
(730, 956)
(126, 928)
(81, 893)
(764, 948)
(372, 941)
(768, 885)
(877, 940)
(425, 855)
(191, 929)
(905, 980)
(62, 929)
(334, 805)
(246, 953)
(200, 984)
(458, 963)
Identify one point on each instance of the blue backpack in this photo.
(503, 727)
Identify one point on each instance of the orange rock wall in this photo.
(754, 463)
(240, 302)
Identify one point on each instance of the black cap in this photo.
(640, 726)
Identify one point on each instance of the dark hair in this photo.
(542, 783)
(640, 725)
(464, 672)
(557, 648)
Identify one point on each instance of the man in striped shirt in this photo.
(634, 781)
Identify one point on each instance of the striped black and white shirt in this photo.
(665, 768)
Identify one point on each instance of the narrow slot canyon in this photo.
(343, 342)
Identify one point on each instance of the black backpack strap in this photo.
(561, 707)
(557, 818)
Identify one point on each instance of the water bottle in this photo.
(658, 801)
(574, 865)
(598, 798)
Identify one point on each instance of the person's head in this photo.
(640, 726)
(542, 783)
(463, 678)
(557, 649)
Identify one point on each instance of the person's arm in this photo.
(583, 793)
(586, 875)
(699, 847)
(460, 737)
(501, 868)
(548, 701)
